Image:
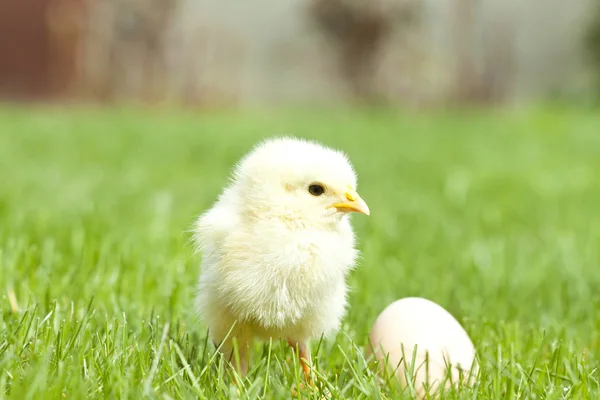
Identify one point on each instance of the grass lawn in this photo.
(493, 215)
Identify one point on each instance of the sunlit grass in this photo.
(495, 216)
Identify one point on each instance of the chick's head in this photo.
(297, 180)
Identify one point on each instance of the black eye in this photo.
(316, 189)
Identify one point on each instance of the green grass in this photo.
(493, 215)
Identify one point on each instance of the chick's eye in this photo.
(316, 189)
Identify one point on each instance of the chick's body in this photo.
(275, 278)
(275, 257)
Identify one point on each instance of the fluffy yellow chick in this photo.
(277, 246)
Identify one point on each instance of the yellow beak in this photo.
(354, 204)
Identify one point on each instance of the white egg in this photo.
(441, 343)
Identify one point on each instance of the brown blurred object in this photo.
(129, 40)
(69, 49)
(493, 81)
(39, 47)
(468, 87)
(357, 30)
(65, 23)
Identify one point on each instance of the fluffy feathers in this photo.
(275, 256)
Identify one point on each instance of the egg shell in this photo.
(441, 342)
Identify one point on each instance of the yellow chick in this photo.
(276, 248)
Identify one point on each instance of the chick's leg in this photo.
(237, 350)
(304, 355)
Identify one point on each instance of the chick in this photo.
(277, 246)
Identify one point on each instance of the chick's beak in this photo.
(354, 203)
